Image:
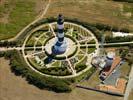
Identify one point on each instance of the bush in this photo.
(80, 67)
(19, 67)
(7, 43)
(85, 75)
(2, 54)
(57, 71)
(109, 39)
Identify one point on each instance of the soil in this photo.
(16, 88)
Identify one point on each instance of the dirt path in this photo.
(16, 88)
(40, 17)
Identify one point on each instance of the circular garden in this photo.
(82, 47)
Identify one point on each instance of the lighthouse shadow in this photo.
(50, 57)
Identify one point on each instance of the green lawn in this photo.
(90, 50)
(125, 69)
(19, 12)
(92, 81)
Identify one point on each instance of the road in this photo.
(129, 85)
(108, 44)
(10, 48)
(121, 43)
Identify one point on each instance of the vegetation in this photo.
(57, 71)
(90, 50)
(118, 39)
(125, 69)
(8, 44)
(19, 67)
(129, 1)
(131, 95)
(80, 67)
(19, 13)
(97, 29)
(102, 11)
(85, 75)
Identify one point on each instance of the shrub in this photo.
(80, 67)
(2, 54)
(19, 67)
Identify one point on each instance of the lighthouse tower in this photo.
(61, 44)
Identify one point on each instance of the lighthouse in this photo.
(60, 45)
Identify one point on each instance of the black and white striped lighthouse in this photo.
(61, 43)
(60, 26)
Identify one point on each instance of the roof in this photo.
(119, 88)
(116, 61)
(111, 54)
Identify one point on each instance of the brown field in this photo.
(95, 11)
(16, 88)
(39, 6)
(131, 96)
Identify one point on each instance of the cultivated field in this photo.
(16, 88)
(16, 14)
(95, 11)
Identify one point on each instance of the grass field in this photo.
(93, 81)
(95, 11)
(131, 95)
(16, 88)
(16, 14)
(125, 69)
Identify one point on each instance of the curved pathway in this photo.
(70, 66)
(40, 17)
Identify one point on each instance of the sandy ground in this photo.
(16, 88)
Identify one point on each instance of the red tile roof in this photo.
(119, 88)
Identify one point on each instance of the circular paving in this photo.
(70, 51)
(82, 45)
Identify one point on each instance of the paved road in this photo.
(129, 85)
(6, 49)
(10, 48)
(118, 43)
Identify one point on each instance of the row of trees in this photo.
(20, 68)
(8, 44)
(80, 67)
(57, 71)
(109, 39)
(96, 28)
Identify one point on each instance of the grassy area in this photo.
(17, 87)
(92, 81)
(15, 15)
(131, 95)
(93, 11)
(20, 14)
(90, 50)
(56, 64)
(91, 42)
(125, 69)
